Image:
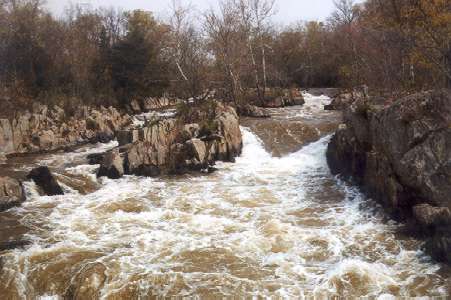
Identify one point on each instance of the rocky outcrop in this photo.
(169, 146)
(341, 101)
(289, 98)
(11, 193)
(253, 111)
(44, 179)
(47, 129)
(112, 165)
(401, 154)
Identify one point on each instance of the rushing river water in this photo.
(263, 226)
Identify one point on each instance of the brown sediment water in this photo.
(266, 226)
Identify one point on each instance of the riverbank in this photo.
(399, 153)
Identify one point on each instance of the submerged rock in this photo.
(87, 283)
(11, 193)
(95, 158)
(14, 244)
(46, 181)
(401, 154)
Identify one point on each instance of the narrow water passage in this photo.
(264, 226)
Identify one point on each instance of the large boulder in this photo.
(145, 159)
(11, 193)
(345, 99)
(112, 165)
(46, 181)
(230, 144)
(294, 97)
(274, 102)
(282, 98)
(341, 101)
(401, 154)
(253, 111)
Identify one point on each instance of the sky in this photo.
(287, 11)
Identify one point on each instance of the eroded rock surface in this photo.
(401, 154)
(11, 193)
(169, 146)
(44, 129)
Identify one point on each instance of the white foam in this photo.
(61, 159)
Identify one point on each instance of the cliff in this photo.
(400, 153)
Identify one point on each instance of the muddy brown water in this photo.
(274, 224)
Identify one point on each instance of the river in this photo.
(274, 224)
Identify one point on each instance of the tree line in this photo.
(110, 57)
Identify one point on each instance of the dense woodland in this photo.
(108, 56)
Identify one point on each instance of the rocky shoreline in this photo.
(149, 145)
(399, 153)
(47, 129)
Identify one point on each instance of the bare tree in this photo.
(179, 26)
(228, 44)
(186, 49)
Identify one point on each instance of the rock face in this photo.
(6, 136)
(11, 193)
(46, 181)
(170, 147)
(45, 129)
(401, 154)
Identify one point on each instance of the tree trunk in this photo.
(257, 80)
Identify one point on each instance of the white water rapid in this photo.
(263, 226)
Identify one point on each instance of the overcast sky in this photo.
(288, 11)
